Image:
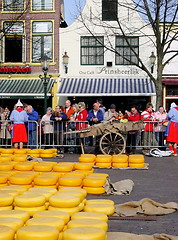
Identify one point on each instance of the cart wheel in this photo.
(112, 143)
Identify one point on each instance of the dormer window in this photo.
(109, 10)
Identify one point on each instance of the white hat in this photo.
(173, 105)
(19, 104)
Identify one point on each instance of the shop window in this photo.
(13, 43)
(42, 40)
(92, 50)
(13, 5)
(42, 5)
(109, 10)
(125, 51)
(172, 90)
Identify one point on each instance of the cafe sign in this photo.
(16, 69)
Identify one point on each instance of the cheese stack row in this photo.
(120, 161)
(137, 161)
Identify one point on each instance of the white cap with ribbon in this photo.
(19, 104)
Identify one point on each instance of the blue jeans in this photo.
(32, 139)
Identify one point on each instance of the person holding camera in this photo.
(111, 114)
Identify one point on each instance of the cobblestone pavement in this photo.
(159, 182)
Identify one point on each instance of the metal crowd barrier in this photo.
(50, 134)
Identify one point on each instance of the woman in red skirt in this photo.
(172, 129)
(19, 132)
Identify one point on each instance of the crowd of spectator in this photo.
(77, 117)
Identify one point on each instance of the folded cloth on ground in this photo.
(131, 236)
(145, 206)
(123, 187)
(33, 159)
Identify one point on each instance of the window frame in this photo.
(92, 47)
(13, 9)
(125, 48)
(42, 9)
(42, 35)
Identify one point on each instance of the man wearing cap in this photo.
(111, 114)
(19, 133)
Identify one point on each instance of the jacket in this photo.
(58, 125)
(82, 116)
(33, 116)
(148, 116)
(69, 112)
(91, 115)
(19, 116)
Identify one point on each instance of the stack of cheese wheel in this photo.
(6, 151)
(6, 166)
(65, 202)
(22, 179)
(90, 215)
(46, 153)
(136, 161)
(34, 152)
(83, 167)
(6, 201)
(20, 157)
(46, 179)
(43, 167)
(33, 232)
(103, 161)
(20, 214)
(87, 233)
(7, 233)
(20, 151)
(120, 161)
(94, 184)
(6, 158)
(87, 158)
(31, 202)
(24, 166)
(105, 206)
(70, 181)
(63, 167)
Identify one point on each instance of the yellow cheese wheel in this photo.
(37, 232)
(20, 158)
(37, 155)
(70, 210)
(3, 179)
(63, 168)
(5, 158)
(20, 189)
(6, 199)
(46, 194)
(103, 160)
(88, 223)
(3, 184)
(136, 158)
(65, 201)
(60, 187)
(20, 151)
(24, 166)
(34, 151)
(7, 150)
(45, 181)
(87, 155)
(47, 151)
(71, 193)
(38, 189)
(46, 155)
(107, 209)
(12, 222)
(50, 163)
(78, 190)
(79, 174)
(72, 182)
(120, 164)
(90, 215)
(13, 193)
(81, 206)
(94, 182)
(103, 164)
(59, 214)
(26, 186)
(137, 165)
(23, 215)
(47, 221)
(6, 166)
(98, 201)
(42, 167)
(120, 158)
(99, 175)
(84, 233)
(30, 200)
(83, 166)
(86, 159)
(6, 208)
(31, 210)
(6, 233)
(20, 180)
(103, 157)
(94, 190)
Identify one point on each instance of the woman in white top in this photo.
(47, 127)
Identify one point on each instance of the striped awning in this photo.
(34, 88)
(106, 87)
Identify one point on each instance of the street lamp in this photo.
(152, 61)
(65, 61)
(45, 79)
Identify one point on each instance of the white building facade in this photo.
(94, 68)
